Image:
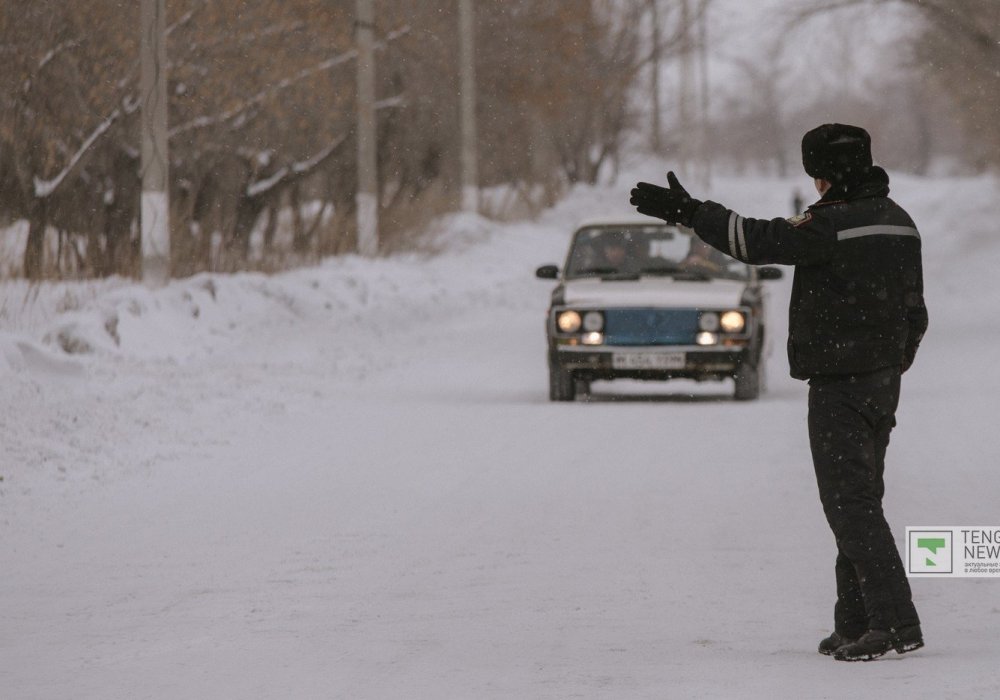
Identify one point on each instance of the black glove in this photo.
(674, 205)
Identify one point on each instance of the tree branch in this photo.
(943, 15)
(183, 19)
(45, 188)
(56, 50)
(251, 37)
(292, 172)
(45, 60)
(280, 86)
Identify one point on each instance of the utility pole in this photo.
(467, 70)
(706, 156)
(684, 98)
(366, 198)
(154, 214)
(656, 127)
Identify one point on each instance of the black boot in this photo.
(875, 643)
(834, 642)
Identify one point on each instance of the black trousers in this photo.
(850, 419)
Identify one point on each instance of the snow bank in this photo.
(19, 355)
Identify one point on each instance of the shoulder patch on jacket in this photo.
(800, 219)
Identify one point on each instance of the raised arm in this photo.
(802, 240)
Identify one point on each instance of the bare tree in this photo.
(959, 41)
(261, 107)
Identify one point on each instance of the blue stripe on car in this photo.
(650, 326)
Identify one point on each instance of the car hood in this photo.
(653, 291)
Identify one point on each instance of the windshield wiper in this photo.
(595, 271)
(677, 272)
(692, 275)
(605, 273)
(661, 270)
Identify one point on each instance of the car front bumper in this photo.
(651, 362)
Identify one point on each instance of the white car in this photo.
(647, 300)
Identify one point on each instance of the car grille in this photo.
(650, 326)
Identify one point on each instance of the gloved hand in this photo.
(672, 204)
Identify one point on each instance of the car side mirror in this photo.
(769, 273)
(547, 272)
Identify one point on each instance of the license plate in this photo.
(648, 360)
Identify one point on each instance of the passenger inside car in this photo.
(702, 257)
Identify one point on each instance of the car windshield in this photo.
(633, 251)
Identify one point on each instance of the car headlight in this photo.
(569, 321)
(707, 338)
(708, 321)
(732, 322)
(593, 321)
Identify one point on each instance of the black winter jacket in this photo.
(857, 300)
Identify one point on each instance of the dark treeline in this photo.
(261, 119)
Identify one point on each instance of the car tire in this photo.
(583, 388)
(748, 381)
(562, 385)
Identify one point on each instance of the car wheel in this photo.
(562, 386)
(583, 388)
(748, 381)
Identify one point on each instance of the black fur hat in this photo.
(836, 152)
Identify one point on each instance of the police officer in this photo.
(856, 318)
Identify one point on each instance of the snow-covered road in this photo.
(347, 482)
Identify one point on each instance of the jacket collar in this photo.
(873, 183)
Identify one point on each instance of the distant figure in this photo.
(856, 318)
(797, 202)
